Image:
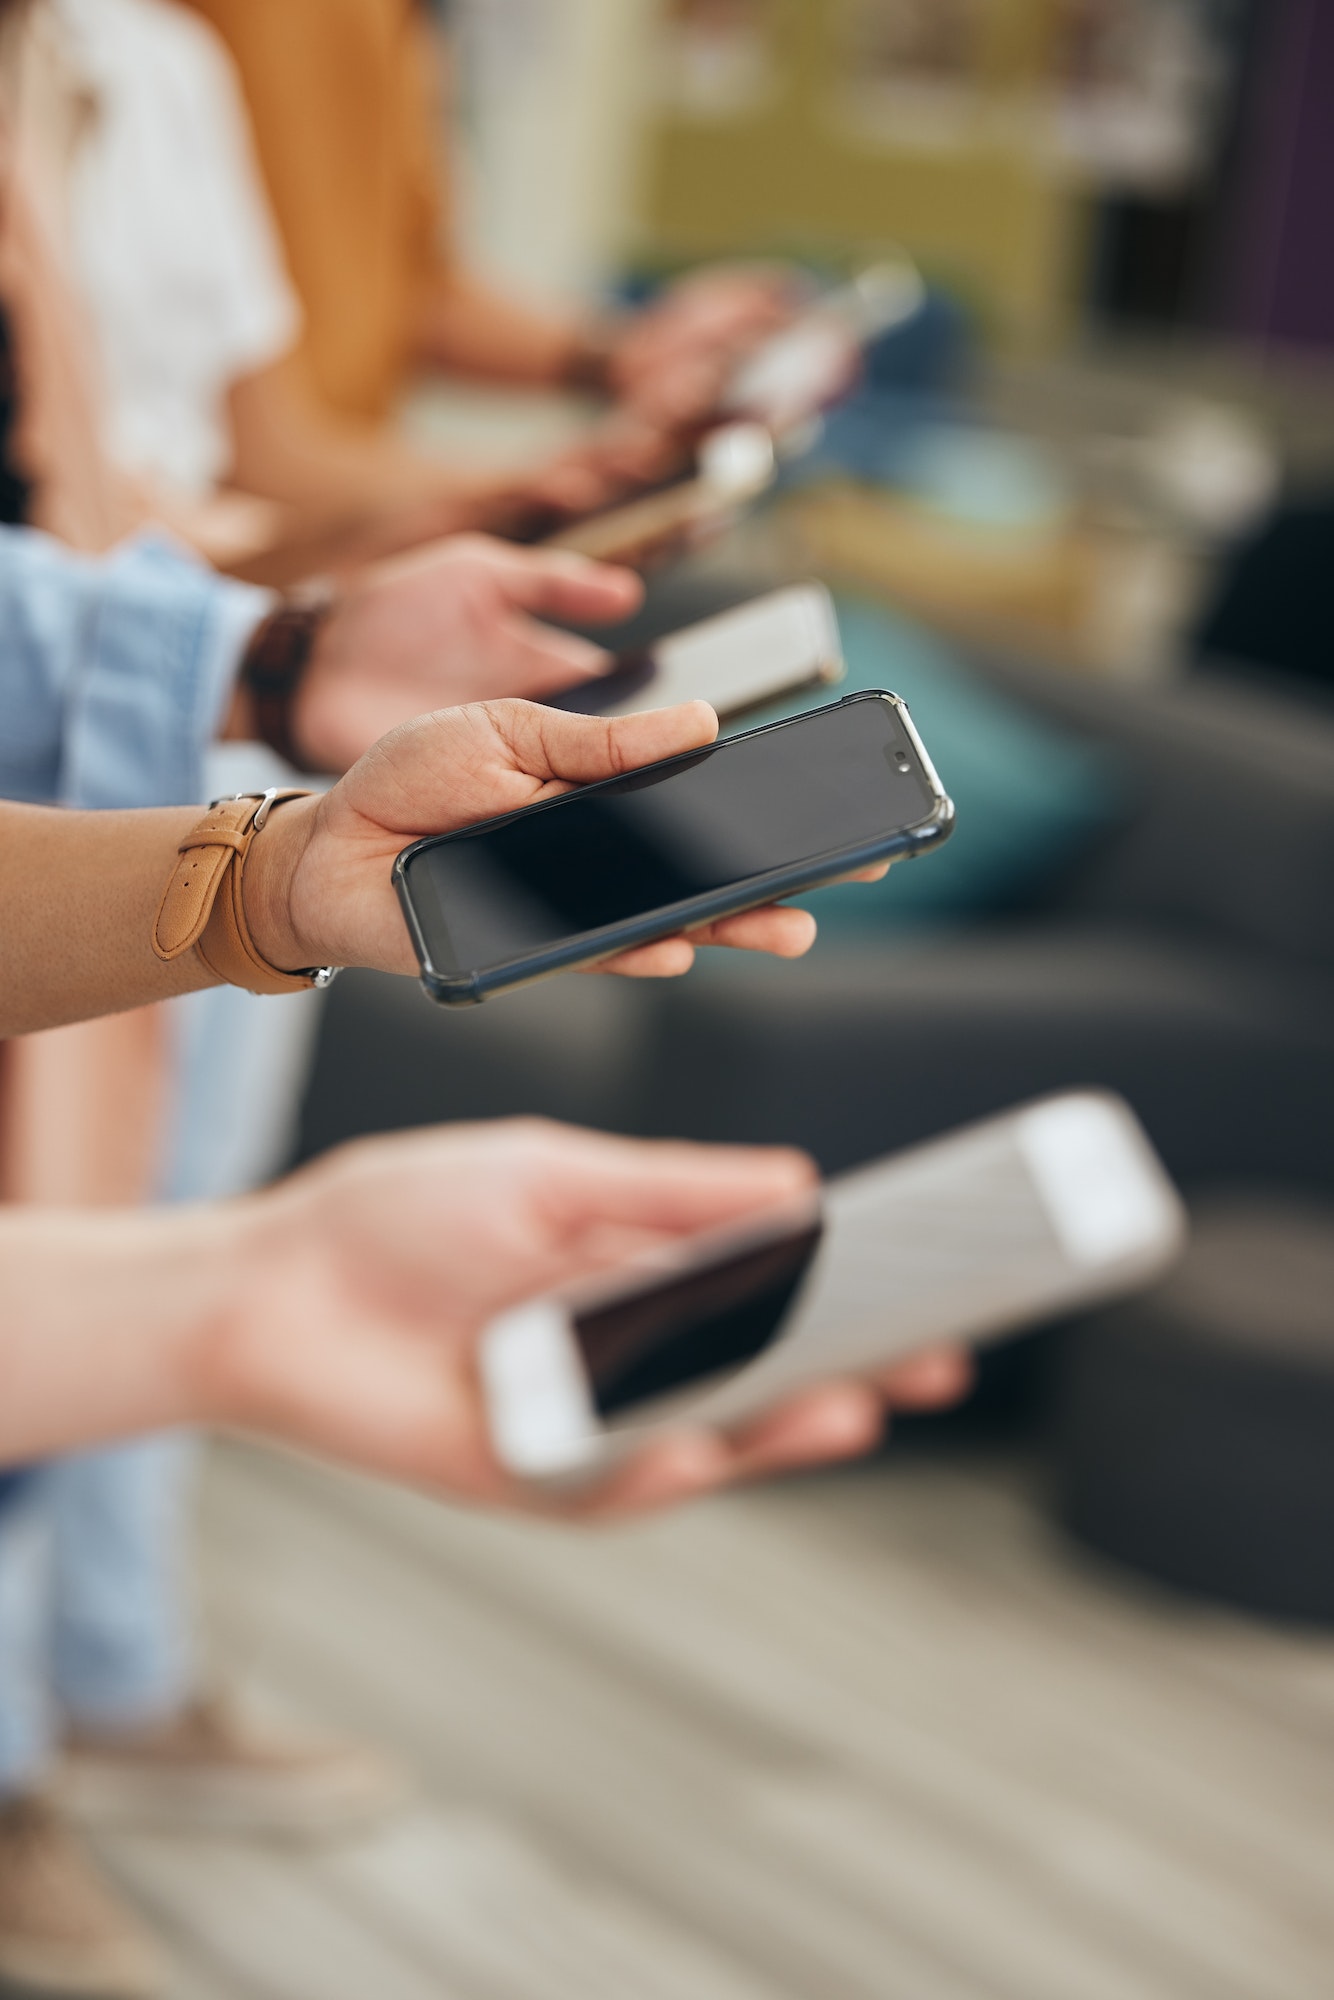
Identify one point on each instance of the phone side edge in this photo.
(902, 845)
(446, 989)
(539, 1403)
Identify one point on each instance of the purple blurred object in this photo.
(1278, 275)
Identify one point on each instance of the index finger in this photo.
(664, 1184)
(561, 584)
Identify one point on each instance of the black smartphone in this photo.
(757, 817)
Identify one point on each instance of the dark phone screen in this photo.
(692, 1328)
(632, 675)
(837, 778)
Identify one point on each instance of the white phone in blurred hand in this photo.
(813, 362)
(1060, 1205)
(735, 465)
(776, 646)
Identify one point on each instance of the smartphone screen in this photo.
(692, 1328)
(839, 779)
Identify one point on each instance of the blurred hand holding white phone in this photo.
(816, 360)
(1060, 1205)
(735, 464)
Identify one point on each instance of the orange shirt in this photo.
(341, 95)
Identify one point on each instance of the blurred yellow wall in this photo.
(828, 160)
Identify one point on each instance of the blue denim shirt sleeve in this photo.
(115, 672)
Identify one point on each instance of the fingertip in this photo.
(842, 1420)
(703, 718)
(788, 1166)
(609, 583)
(799, 937)
(668, 958)
(670, 1472)
(691, 1459)
(594, 662)
(652, 734)
(628, 581)
(574, 658)
(937, 1378)
(799, 1164)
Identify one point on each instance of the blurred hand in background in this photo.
(456, 623)
(673, 361)
(383, 1263)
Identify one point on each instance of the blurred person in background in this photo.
(140, 653)
(125, 1110)
(96, 1616)
(345, 104)
(148, 183)
(94, 1559)
(139, 193)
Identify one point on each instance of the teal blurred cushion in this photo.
(1030, 795)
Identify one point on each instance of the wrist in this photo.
(589, 365)
(115, 1317)
(209, 1265)
(274, 668)
(275, 855)
(241, 1270)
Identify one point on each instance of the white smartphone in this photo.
(1059, 1205)
(780, 645)
(814, 361)
(734, 465)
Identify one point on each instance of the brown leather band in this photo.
(203, 903)
(275, 664)
(589, 364)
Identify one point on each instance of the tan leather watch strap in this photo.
(203, 903)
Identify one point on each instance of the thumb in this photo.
(550, 744)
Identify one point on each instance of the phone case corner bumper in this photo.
(451, 992)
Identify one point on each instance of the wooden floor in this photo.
(872, 1737)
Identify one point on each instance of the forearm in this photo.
(78, 896)
(109, 1322)
(468, 329)
(332, 471)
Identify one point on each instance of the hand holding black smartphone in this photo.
(597, 871)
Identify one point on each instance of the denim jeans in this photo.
(96, 1618)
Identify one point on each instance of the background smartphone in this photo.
(735, 464)
(1060, 1205)
(756, 817)
(812, 363)
(768, 650)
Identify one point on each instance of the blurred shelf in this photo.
(1078, 594)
